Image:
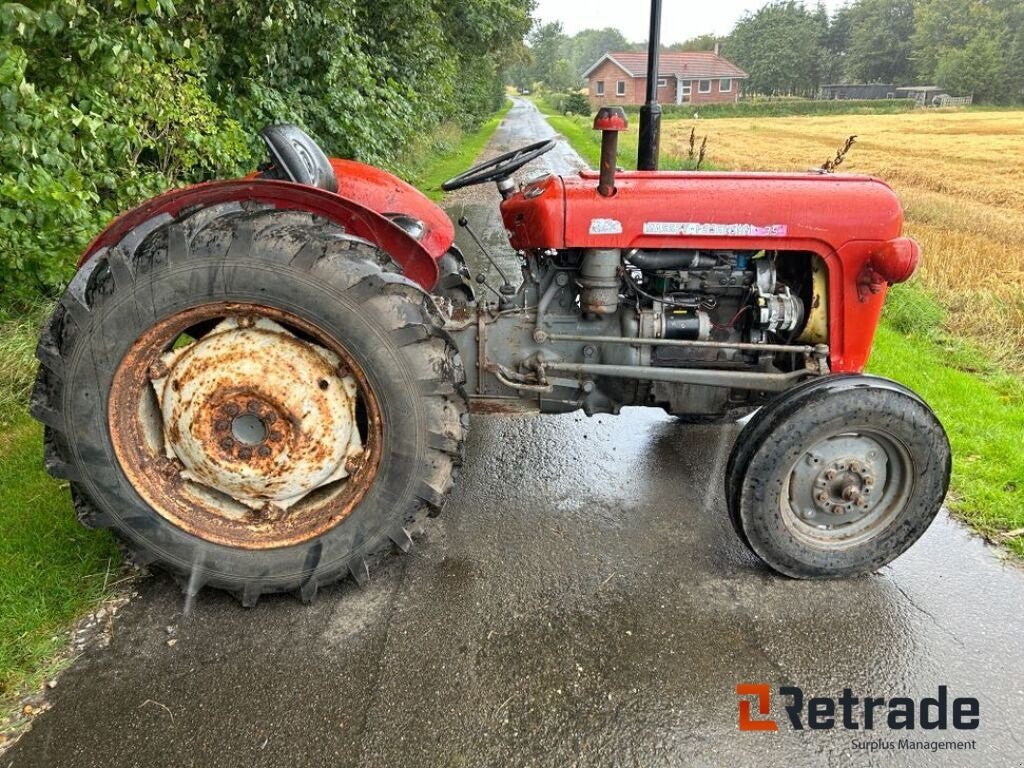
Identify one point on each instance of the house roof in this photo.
(685, 66)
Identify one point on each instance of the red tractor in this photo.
(260, 383)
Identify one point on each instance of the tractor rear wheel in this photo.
(251, 400)
(837, 477)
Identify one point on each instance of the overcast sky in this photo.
(681, 19)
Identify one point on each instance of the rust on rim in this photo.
(245, 425)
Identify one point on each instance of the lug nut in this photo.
(222, 425)
(252, 406)
(263, 451)
(227, 443)
(275, 436)
(245, 454)
(232, 409)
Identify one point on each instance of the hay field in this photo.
(960, 175)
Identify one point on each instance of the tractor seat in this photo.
(294, 156)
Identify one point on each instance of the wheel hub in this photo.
(256, 413)
(837, 482)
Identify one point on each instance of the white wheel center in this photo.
(257, 413)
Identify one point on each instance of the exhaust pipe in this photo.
(650, 113)
(609, 120)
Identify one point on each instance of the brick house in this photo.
(685, 78)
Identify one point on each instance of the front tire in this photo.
(838, 477)
(276, 466)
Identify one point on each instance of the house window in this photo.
(662, 82)
(620, 88)
(724, 85)
(703, 86)
(599, 88)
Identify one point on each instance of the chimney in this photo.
(716, 48)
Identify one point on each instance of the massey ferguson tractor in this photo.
(260, 384)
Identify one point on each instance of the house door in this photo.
(684, 92)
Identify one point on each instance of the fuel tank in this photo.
(815, 212)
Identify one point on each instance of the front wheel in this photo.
(838, 477)
(251, 400)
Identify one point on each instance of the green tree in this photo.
(779, 46)
(589, 45)
(979, 69)
(879, 41)
(970, 46)
(699, 43)
(550, 50)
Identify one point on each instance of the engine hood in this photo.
(704, 210)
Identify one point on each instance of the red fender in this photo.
(417, 258)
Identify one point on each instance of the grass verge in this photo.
(579, 132)
(980, 404)
(981, 407)
(448, 153)
(54, 570)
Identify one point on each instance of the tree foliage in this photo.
(106, 102)
(780, 47)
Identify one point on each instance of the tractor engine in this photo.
(700, 333)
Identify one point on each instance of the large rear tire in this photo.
(251, 399)
(837, 477)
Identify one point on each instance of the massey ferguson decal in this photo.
(605, 227)
(693, 228)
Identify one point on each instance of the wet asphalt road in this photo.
(582, 601)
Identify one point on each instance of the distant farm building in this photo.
(924, 95)
(683, 78)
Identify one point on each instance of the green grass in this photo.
(448, 153)
(980, 405)
(580, 133)
(54, 570)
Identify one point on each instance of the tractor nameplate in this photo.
(696, 229)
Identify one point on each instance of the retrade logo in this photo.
(853, 713)
(762, 695)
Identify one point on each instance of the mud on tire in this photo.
(300, 266)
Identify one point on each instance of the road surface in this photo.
(583, 601)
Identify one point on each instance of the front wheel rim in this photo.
(245, 425)
(847, 487)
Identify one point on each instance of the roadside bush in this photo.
(572, 103)
(576, 103)
(106, 102)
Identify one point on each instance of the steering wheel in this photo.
(499, 168)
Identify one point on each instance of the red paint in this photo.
(611, 119)
(364, 194)
(385, 193)
(852, 222)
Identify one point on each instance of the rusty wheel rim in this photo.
(232, 452)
